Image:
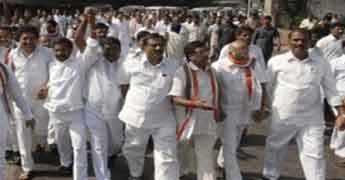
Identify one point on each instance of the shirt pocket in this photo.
(311, 74)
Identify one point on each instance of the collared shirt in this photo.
(296, 96)
(233, 88)
(66, 81)
(147, 103)
(103, 94)
(14, 91)
(32, 73)
(254, 51)
(338, 69)
(205, 123)
(325, 41)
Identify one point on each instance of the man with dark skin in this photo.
(296, 78)
(145, 84)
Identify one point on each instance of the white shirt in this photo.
(103, 93)
(338, 69)
(13, 89)
(147, 103)
(325, 41)
(205, 122)
(67, 80)
(233, 88)
(296, 97)
(254, 52)
(196, 33)
(31, 73)
(307, 24)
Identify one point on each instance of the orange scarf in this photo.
(194, 96)
(247, 72)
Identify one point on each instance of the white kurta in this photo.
(297, 112)
(32, 74)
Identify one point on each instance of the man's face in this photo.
(28, 41)
(337, 31)
(265, 21)
(298, 43)
(240, 51)
(101, 33)
(154, 49)
(111, 52)
(62, 53)
(51, 28)
(246, 36)
(200, 57)
(5, 38)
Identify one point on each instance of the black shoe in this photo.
(53, 149)
(111, 161)
(66, 170)
(16, 158)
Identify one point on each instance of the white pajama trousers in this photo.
(27, 137)
(203, 147)
(3, 141)
(239, 131)
(70, 133)
(338, 142)
(12, 138)
(99, 138)
(165, 151)
(310, 141)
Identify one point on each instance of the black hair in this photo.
(141, 35)
(190, 48)
(28, 29)
(6, 28)
(64, 42)
(100, 25)
(336, 24)
(244, 28)
(153, 36)
(300, 30)
(52, 22)
(111, 40)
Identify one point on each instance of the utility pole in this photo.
(270, 9)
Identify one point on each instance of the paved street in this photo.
(251, 167)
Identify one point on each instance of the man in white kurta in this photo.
(103, 103)
(202, 121)
(239, 100)
(296, 78)
(338, 137)
(66, 107)
(147, 111)
(30, 65)
(9, 87)
(337, 30)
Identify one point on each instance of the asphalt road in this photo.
(251, 166)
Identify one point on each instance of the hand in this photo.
(30, 123)
(260, 115)
(203, 105)
(43, 93)
(340, 122)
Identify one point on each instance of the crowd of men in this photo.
(117, 79)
